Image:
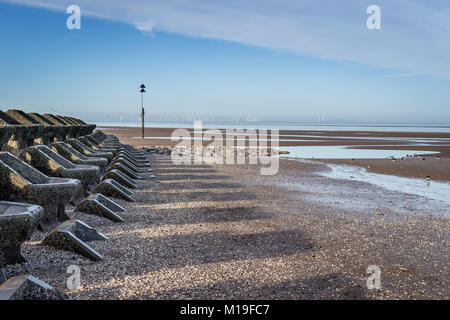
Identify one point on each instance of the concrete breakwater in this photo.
(46, 163)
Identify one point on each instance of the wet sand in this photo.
(131, 135)
(437, 169)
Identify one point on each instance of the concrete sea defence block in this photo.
(5, 119)
(100, 135)
(96, 148)
(72, 235)
(21, 182)
(133, 150)
(18, 221)
(25, 135)
(98, 204)
(136, 162)
(33, 129)
(25, 183)
(33, 132)
(131, 166)
(125, 161)
(22, 137)
(120, 177)
(102, 144)
(63, 120)
(27, 287)
(112, 188)
(88, 152)
(49, 162)
(6, 131)
(53, 119)
(87, 129)
(21, 117)
(40, 119)
(132, 174)
(77, 157)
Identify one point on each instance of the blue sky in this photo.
(277, 60)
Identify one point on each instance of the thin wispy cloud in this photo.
(414, 39)
(407, 75)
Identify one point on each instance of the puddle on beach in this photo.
(343, 152)
(403, 194)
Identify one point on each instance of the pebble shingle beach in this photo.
(226, 232)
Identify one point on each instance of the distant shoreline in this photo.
(283, 126)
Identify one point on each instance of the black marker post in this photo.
(142, 106)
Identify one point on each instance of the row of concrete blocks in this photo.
(82, 171)
(19, 130)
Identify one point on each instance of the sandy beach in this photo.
(437, 168)
(226, 232)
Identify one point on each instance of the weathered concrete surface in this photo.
(66, 128)
(40, 119)
(112, 188)
(78, 121)
(18, 221)
(6, 119)
(131, 162)
(2, 275)
(131, 166)
(98, 204)
(132, 174)
(87, 129)
(6, 131)
(30, 129)
(21, 182)
(22, 117)
(120, 177)
(77, 157)
(63, 120)
(100, 135)
(72, 235)
(137, 159)
(53, 119)
(94, 147)
(102, 143)
(52, 131)
(106, 140)
(128, 161)
(133, 151)
(27, 287)
(69, 121)
(136, 162)
(22, 136)
(49, 162)
(88, 152)
(34, 131)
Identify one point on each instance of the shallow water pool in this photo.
(343, 152)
